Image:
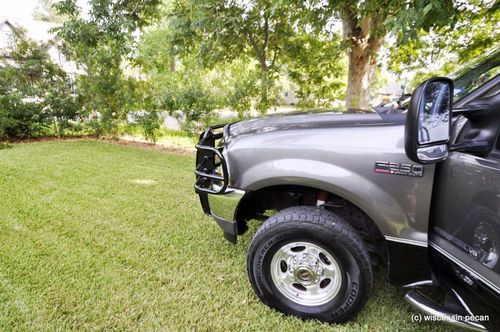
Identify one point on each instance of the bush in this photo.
(93, 126)
(21, 120)
(5, 145)
(150, 124)
(35, 97)
(194, 101)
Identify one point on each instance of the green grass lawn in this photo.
(98, 236)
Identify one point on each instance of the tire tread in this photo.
(324, 220)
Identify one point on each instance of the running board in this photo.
(420, 302)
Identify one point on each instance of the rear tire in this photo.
(309, 262)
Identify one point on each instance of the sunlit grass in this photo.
(99, 236)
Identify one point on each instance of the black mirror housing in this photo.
(428, 122)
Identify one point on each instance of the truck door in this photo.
(464, 237)
(469, 227)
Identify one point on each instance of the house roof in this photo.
(37, 30)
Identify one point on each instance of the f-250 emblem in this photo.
(387, 167)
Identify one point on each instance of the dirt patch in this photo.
(51, 139)
(155, 147)
(142, 145)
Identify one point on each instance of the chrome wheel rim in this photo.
(306, 273)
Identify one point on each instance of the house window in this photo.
(71, 82)
(8, 38)
(62, 59)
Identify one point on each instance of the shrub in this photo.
(5, 145)
(35, 97)
(150, 124)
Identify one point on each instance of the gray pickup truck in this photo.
(417, 190)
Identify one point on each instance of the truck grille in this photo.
(211, 168)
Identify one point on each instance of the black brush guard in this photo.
(209, 158)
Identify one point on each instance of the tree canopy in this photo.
(193, 58)
(277, 32)
(100, 43)
(476, 30)
(222, 31)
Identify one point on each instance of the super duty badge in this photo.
(387, 167)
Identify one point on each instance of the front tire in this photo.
(309, 262)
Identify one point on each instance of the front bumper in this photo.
(212, 179)
(223, 207)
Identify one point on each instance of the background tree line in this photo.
(191, 57)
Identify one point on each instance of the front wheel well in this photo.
(263, 203)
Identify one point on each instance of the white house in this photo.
(39, 31)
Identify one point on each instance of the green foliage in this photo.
(366, 24)
(413, 17)
(222, 32)
(155, 52)
(5, 145)
(440, 49)
(302, 36)
(94, 125)
(190, 90)
(46, 11)
(100, 43)
(317, 65)
(108, 94)
(240, 87)
(35, 94)
(380, 79)
(241, 50)
(208, 55)
(110, 23)
(192, 98)
(150, 124)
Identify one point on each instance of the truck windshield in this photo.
(474, 74)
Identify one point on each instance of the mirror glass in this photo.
(434, 120)
(432, 152)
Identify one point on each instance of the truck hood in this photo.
(312, 120)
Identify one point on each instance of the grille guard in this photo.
(207, 178)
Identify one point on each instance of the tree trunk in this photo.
(263, 104)
(362, 61)
(261, 55)
(365, 43)
(172, 64)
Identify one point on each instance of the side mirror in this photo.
(428, 122)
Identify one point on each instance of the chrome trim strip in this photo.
(422, 303)
(406, 241)
(418, 284)
(462, 302)
(465, 267)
